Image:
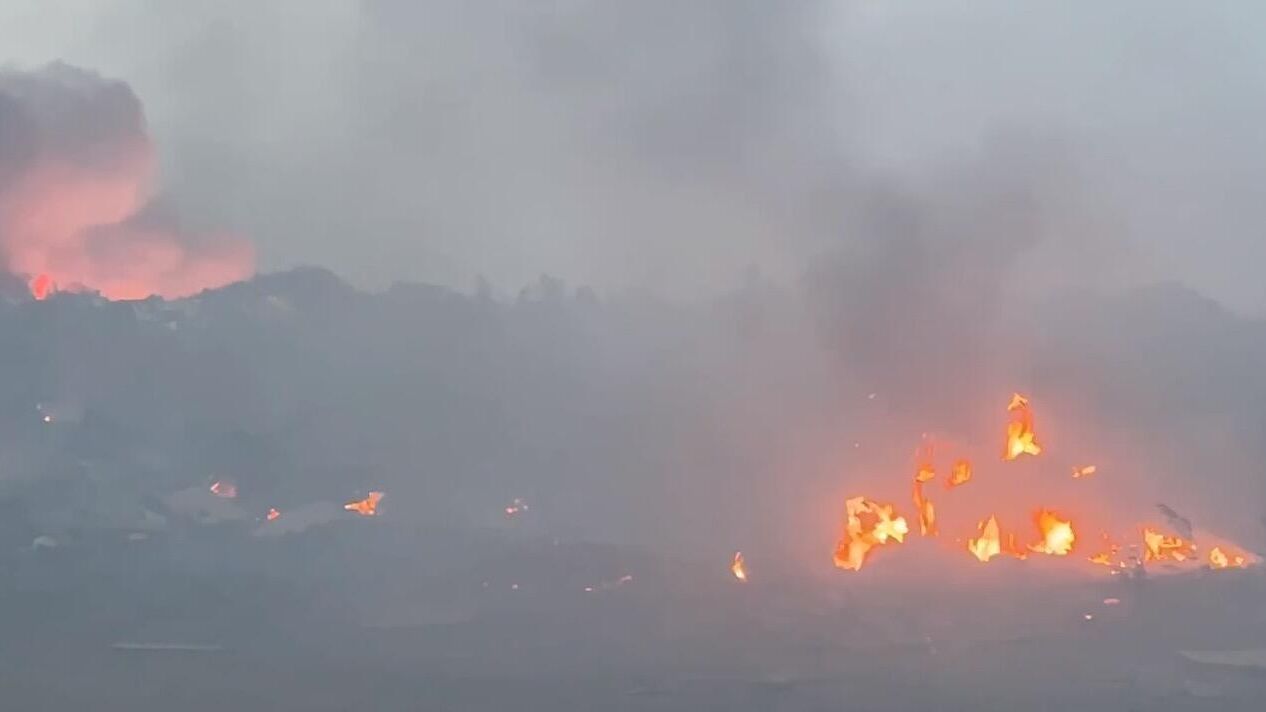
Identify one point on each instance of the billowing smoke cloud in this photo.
(77, 208)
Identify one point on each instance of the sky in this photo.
(674, 147)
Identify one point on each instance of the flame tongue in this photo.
(739, 566)
(1021, 440)
(989, 543)
(927, 513)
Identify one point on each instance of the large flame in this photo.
(1057, 534)
(739, 566)
(366, 507)
(1021, 440)
(867, 524)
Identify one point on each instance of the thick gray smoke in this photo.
(76, 187)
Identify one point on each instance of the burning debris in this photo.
(739, 567)
(367, 507)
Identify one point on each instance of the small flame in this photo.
(273, 513)
(868, 524)
(41, 286)
(739, 566)
(960, 473)
(989, 543)
(1017, 402)
(366, 507)
(1219, 559)
(927, 512)
(1080, 472)
(1057, 534)
(227, 490)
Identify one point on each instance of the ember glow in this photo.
(227, 490)
(867, 524)
(1080, 472)
(960, 474)
(366, 507)
(1057, 534)
(739, 566)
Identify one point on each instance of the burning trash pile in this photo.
(870, 525)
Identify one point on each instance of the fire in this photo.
(1080, 472)
(1057, 534)
(41, 286)
(927, 512)
(989, 543)
(739, 567)
(227, 490)
(518, 506)
(1021, 440)
(960, 473)
(1218, 559)
(1160, 547)
(868, 524)
(273, 513)
(366, 507)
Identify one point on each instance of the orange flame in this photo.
(1219, 559)
(989, 543)
(273, 513)
(739, 567)
(1080, 472)
(868, 524)
(927, 512)
(960, 473)
(925, 470)
(1057, 534)
(366, 507)
(1021, 440)
(1159, 547)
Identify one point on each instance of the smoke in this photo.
(77, 207)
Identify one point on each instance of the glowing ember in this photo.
(927, 512)
(41, 286)
(273, 513)
(1021, 440)
(739, 566)
(227, 490)
(1160, 547)
(960, 473)
(1218, 559)
(1080, 472)
(1057, 534)
(868, 524)
(989, 543)
(518, 506)
(366, 507)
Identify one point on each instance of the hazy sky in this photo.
(671, 145)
